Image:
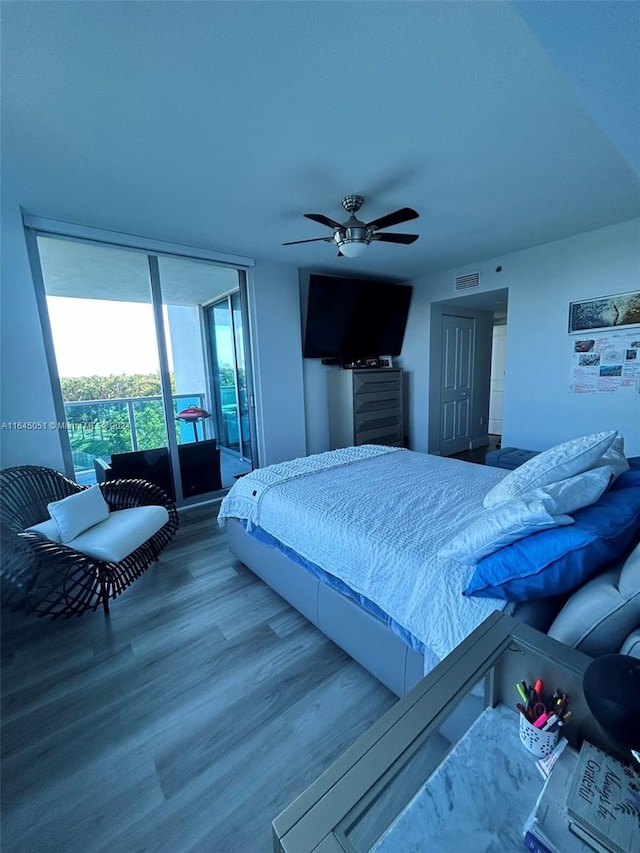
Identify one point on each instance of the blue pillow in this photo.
(628, 478)
(559, 560)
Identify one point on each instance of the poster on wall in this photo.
(606, 362)
(605, 312)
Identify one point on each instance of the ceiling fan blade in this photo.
(396, 238)
(395, 218)
(323, 220)
(314, 240)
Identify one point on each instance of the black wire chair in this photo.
(43, 577)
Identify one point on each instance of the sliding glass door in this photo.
(106, 355)
(187, 286)
(245, 398)
(226, 329)
(132, 359)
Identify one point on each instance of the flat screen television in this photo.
(349, 318)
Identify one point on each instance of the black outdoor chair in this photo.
(199, 467)
(43, 577)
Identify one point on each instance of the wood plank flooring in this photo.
(478, 455)
(184, 722)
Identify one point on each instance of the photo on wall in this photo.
(605, 312)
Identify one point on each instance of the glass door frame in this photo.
(248, 369)
(165, 378)
(35, 227)
(213, 373)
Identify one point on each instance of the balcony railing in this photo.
(102, 427)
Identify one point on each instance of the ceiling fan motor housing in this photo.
(352, 203)
(353, 234)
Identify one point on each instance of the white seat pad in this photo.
(48, 529)
(120, 534)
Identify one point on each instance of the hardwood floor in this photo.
(184, 722)
(479, 454)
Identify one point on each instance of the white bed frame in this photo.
(364, 637)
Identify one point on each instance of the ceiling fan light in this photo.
(353, 248)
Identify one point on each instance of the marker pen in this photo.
(542, 719)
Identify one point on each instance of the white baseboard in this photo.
(475, 443)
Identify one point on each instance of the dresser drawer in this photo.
(378, 401)
(390, 436)
(369, 383)
(378, 420)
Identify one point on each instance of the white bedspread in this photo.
(375, 517)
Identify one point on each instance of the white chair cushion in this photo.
(124, 531)
(558, 463)
(48, 529)
(79, 512)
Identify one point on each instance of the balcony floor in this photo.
(231, 466)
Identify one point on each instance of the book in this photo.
(593, 843)
(546, 764)
(603, 802)
(547, 828)
(533, 843)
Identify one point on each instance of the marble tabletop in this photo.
(478, 798)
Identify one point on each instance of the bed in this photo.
(332, 534)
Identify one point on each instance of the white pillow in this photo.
(615, 458)
(79, 512)
(557, 463)
(571, 494)
(498, 527)
(48, 529)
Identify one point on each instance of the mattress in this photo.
(375, 518)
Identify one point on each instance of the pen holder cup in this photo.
(536, 741)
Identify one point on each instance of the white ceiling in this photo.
(218, 124)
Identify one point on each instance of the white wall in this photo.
(274, 300)
(316, 404)
(188, 357)
(539, 410)
(316, 400)
(25, 388)
(496, 392)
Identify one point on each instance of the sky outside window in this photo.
(84, 331)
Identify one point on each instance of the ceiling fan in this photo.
(353, 236)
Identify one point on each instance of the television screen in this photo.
(350, 318)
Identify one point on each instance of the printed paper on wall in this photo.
(606, 363)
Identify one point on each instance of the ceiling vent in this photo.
(463, 282)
